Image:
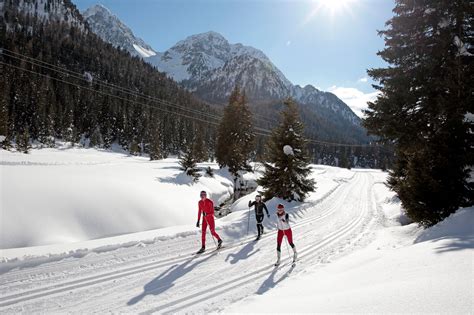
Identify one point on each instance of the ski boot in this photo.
(201, 250)
(219, 244)
(278, 259)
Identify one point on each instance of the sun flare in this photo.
(334, 6)
(330, 8)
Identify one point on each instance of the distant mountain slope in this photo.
(208, 65)
(112, 30)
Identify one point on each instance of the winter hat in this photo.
(280, 206)
(203, 192)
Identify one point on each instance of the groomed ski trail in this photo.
(166, 279)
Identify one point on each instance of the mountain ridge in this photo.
(208, 65)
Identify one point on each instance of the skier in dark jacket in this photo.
(259, 207)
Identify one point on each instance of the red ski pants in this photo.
(208, 220)
(289, 235)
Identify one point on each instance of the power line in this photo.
(81, 76)
(258, 130)
(118, 97)
(78, 76)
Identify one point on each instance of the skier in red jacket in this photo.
(206, 208)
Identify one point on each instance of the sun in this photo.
(331, 8)
(334, 6)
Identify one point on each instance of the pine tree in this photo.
(4, 132)
(23, 141)
(96, 138)
(155, 143)
(425, 96)
(188, 163)
(199, 146)
(235, 140)
(286, 169)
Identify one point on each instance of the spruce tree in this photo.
(155, 146)
(23, 141)
(235, 140)
(96, 139)
(199, 146)
(426, 93)
(4, 142)
(286, 169)
(188, 163)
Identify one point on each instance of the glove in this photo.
(197, 224)
(204, 214)
(268, 215)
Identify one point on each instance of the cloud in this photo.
(364, 79)
(354, 98)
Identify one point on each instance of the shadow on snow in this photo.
(166, 279)
(243, 254)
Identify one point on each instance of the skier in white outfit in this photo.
(284, 229)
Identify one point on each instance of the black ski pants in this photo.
(259, 218)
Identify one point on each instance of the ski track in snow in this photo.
(163, 277)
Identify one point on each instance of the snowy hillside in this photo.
(112, 30)
(354, 256)
(96, 194)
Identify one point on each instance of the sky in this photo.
(329, 44)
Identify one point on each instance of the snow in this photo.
(404, 270)
(358, 252)
(171, 62)
(462, 47)
(83, 194)
(145, 53)
(88, 76)
(469, 117)
(288, 150)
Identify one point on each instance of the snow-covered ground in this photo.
(403, 270)
(355, 256)
(53, 196)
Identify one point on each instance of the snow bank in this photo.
(53, 196)
(458, 226)
(391, 275)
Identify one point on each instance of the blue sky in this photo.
(326, 43)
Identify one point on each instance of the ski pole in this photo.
(207, 222)
(248, 222)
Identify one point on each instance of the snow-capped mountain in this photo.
(208, 65)
(201, 61)
(107, 26)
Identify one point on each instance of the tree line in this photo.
(40, 103)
